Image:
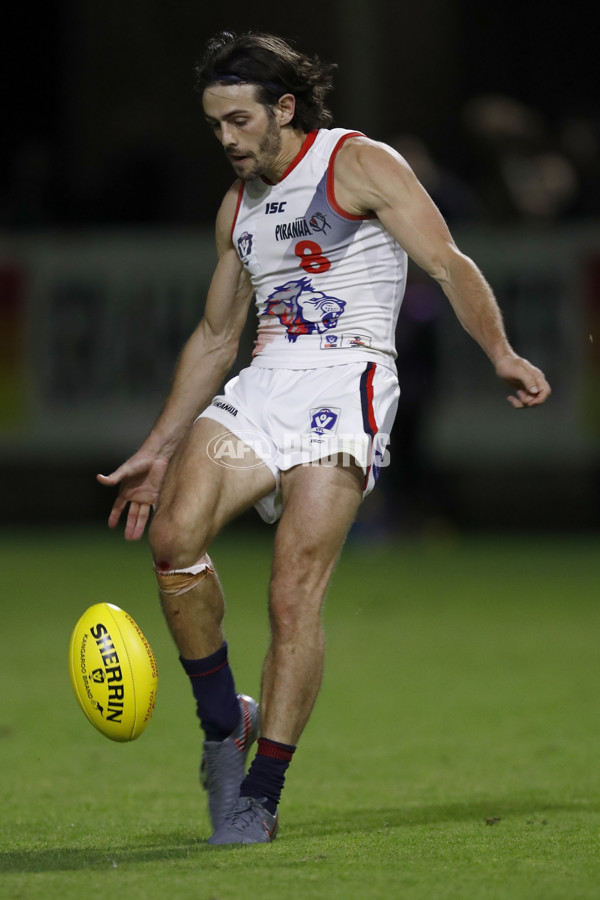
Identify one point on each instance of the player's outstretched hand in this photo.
(528, 382)
(139, 480)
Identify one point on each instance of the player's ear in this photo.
(285, 109)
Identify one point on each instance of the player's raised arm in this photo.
(370, 177)
(207, 356)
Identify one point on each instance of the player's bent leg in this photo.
(173, 582)
(197, 498)
(194, 606)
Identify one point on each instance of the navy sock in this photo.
(266, 775)
(217, 705)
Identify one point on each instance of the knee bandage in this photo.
(174, 582)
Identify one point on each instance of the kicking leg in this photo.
(197, 499)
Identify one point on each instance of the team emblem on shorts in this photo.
(324, 419)
(245, 246)
(302, 309)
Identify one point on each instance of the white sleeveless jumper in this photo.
(328, 285)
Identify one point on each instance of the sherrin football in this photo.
(113, 672)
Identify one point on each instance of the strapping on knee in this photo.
(173, 582)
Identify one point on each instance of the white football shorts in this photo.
(292, 417)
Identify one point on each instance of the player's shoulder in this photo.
(366, 173)
(361, 150)
(362, 160)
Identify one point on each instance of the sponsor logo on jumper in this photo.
(344, 341)
(287, 231)
(244, 243)
(276, 207)
(302, 309)
(324, 419)
(318, 222)
(358, 340)
(226, 406)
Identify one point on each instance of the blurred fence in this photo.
(91, 325)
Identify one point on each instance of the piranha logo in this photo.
(318, 222)
(302, 309)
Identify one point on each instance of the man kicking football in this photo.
(317, 227)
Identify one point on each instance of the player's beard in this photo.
(268, 151)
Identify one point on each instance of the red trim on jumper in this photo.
(308, 142)
(274, 750)
(237, 208)
(210, 671)
(330, 182)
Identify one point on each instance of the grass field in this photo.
(454, 751)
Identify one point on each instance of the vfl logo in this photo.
(98, 676)
(324, 419)
(318, 222)
(245, 245)
(302, 309)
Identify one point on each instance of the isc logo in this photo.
(271, 208)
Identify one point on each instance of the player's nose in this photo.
(227, 137)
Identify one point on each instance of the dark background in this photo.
(101, 124)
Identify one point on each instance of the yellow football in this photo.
(113, 672)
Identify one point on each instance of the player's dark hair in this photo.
(275, 67)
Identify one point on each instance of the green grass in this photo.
(453, 752)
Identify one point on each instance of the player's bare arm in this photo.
(205, 360)
(370, 177)
(212, 348)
